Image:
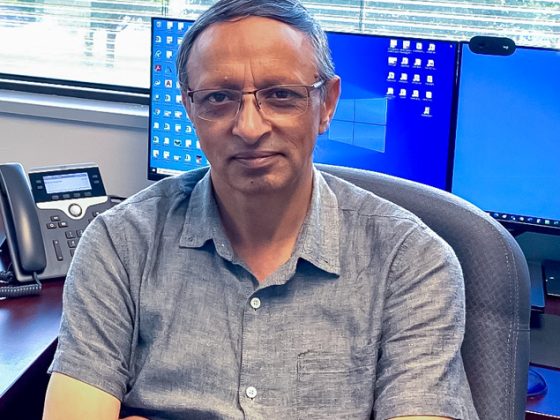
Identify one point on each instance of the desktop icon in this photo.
(402, 93)
(404, 61)
(392, 61)
(429, 79)
(430, 63)
(417, 62)
(390, 91)
(416, 78)
(393, 43)
(391, 75)
(415, 93)
(431, 47)
(428, 94)
(418, 45)
(404, 77)
(406, 45)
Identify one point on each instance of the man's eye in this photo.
(282, 94)
(218, 97)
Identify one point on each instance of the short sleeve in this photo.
(94, 343)
(420, 369)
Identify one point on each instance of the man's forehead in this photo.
(269, 45)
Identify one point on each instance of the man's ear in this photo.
(330, 101)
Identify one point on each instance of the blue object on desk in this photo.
(536, 385)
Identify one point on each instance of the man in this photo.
(260, 288)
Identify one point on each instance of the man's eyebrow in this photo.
(219, 84)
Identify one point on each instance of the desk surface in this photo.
(28, 327)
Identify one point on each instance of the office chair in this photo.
(496, 345)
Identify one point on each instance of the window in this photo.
(107, 42)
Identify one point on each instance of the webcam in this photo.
(491, 45)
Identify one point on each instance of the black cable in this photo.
(18, 291)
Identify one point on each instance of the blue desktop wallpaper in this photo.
(404, 135)
(394, 115)
(508, 135)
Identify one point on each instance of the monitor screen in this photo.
(507, 138)
(394, 115)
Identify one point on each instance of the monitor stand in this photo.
(537, 285)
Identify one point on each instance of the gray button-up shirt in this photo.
(366, 318)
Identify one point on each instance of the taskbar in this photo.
(525, 220)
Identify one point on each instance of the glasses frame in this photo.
(308, 88)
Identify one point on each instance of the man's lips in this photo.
(255, 158)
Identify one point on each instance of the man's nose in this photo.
(250, 125)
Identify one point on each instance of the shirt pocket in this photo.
(336, 385)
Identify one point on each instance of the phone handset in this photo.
(22, 229)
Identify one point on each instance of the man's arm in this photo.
(420, 369)
(68, 398)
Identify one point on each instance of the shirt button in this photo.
(255, 303)
(251, 392)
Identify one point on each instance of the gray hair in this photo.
(291, 12)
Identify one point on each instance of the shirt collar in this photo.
(202, 220)
(318, 241)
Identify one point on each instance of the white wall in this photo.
(120, 151)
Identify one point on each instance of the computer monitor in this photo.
(507, 139)
(395, 114)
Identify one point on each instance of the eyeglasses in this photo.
(274, 102)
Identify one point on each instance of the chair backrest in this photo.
(496, 346)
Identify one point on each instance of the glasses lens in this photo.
(215, 105)
(283, 101)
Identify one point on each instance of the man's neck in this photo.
(263, 228)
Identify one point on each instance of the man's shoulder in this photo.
(364, 203)
(171, 192)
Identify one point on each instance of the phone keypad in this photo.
(72, 235)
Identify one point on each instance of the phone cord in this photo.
(23, 290)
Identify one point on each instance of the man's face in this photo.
(252, 153)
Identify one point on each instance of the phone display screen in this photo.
(55, 184)
(65, 183)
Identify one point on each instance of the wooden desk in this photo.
(28, 330)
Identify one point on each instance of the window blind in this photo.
(107, 42)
